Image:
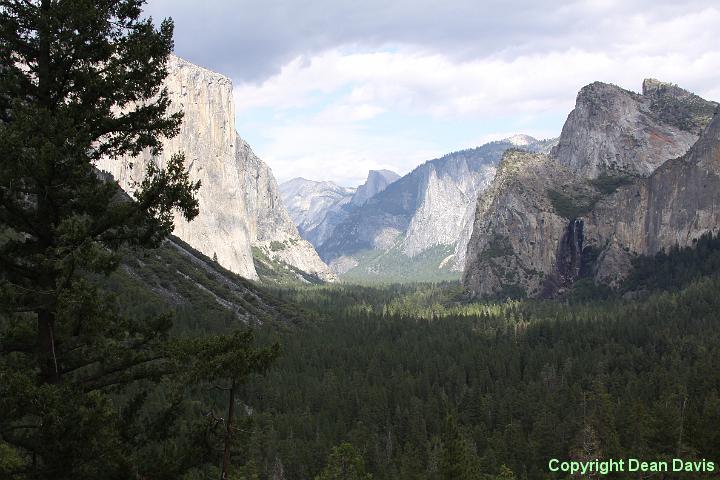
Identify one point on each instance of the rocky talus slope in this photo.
(620, 183)
(239, 202)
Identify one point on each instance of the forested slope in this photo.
(425, 385)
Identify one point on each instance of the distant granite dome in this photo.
(521, 140)
(377, 181)
(309, 201)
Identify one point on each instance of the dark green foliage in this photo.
(671, 270)
(344, 463)
(511, 291)
(498, 246)
(275, 272)
(687, 112)
(608, 184)
(276, 246)
(677, 267)
(570, 203)
(88, 389)
(524, 381)
(458, 460)
(585, 289)
(392, 266)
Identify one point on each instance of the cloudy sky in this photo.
(329, 89)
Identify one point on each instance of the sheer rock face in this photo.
(207, 137)
(676, 205)
(446, 204)
(238, 206)
(270, 225)
(516, 227)
(547, 220)
(613, 131)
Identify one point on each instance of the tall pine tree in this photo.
(80, 80)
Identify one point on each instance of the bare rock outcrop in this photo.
(270, 226)
(613, 131)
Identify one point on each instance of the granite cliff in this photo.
(613, 131)
(622, 181)
(271, 229)
(239, 200)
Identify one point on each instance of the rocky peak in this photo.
(521, 140)
(271, 229)
(626, 178)
(240, 205)
(615, 132)
(706, 152)
(377, 181)
(207, 137)
(652, 87)
(677, 106)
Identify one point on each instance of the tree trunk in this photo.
(49, 371)
(228, 433)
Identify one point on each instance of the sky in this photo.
(329, 89)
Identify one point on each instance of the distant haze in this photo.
(328, 90)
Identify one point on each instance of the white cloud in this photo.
(342, 153)
(325, 106)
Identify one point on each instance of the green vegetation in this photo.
(523, 381)
(126, 354)
(571, 203)
(89, 389)
(344, 463)
(667, 271)
(608, 184)
(388, 266)
(275, 272)
(574, 201)
(690, 113)
(201, 295)
(498, 246)
(276, 246)
(677, 267)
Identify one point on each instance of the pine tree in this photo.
(230, 359)
(79, 81)
(458, 461)
(344, 463)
